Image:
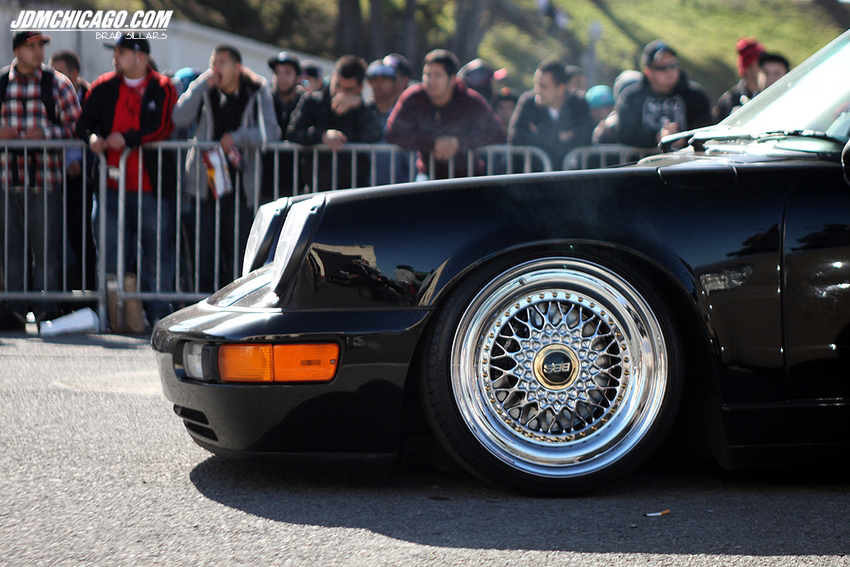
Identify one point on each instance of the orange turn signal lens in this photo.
(305, 363)
(278, 363)
(245, 363)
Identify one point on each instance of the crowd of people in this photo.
(452, 110)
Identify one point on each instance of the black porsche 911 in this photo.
(549, 329)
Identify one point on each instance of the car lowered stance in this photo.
(550, 330)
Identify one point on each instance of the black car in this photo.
(549, 329)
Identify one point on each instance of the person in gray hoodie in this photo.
(234, 107)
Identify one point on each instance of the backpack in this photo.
(46, 90)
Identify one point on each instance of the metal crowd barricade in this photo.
(290, 170)
(302, 174)
(604, 155)
(501, 159)
(143, 259)
(49, 291)
(187, 197)
(387, 164)
(189, 240)
(300, 169)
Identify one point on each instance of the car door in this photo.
(816, 286)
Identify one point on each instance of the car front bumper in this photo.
(359, 412)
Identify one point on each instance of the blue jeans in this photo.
(152, 240)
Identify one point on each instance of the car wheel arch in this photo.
(672, 287)
(675, 296)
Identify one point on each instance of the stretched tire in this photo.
(552, 376)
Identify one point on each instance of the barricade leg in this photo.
(81, 273)
(12, 239)
(157, 254)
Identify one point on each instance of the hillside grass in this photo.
(704, 33)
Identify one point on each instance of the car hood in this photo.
(731, 153)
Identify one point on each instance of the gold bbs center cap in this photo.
(556, 367)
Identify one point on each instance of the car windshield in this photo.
(813, 99)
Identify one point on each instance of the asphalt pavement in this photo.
(95, 469)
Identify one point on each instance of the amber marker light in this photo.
(278, 363)
(305, 363)
(245, 363)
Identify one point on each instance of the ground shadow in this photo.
(712, 511)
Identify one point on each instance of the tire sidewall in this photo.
(453, 432)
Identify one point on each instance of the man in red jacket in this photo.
(125, 109)
(443, 118)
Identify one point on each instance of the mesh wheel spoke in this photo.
(522, 332)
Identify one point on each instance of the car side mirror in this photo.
(845, 161)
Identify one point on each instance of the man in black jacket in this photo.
(550, 116)
(664, 102)
(126, 108)
(336, 116)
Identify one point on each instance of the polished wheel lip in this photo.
(643, 380)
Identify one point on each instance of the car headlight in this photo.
(300, 214)
(196, 360)
(260, 237)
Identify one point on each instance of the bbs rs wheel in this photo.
(552, 376)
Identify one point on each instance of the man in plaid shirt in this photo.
(31, 181)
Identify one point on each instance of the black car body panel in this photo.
(745, 239)
(712, 231)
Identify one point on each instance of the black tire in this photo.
(552, 376)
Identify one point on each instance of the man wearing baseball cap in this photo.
(664, 102)
(286, 91)
(285, 88)
(311, 75)
(127, 108)
(403, 71)
(382, 79)
(37, 103)
(749, 55)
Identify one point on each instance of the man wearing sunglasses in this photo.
(663, 103)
